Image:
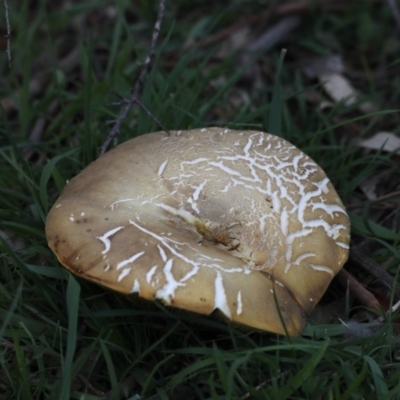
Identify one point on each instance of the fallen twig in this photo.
(395, 12)
(134, 99)
(38, 131)
(126, 385)
(90, 388)
(267, 40)
(8, 35)
(265, 383)
(38, 83)
(298, 7)
(357, 290)
(377, 200)
(360, 260)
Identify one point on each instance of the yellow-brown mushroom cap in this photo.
(208, 219)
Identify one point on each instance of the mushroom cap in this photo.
(211, 219)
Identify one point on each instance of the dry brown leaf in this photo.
(237, 41)
(315, 66)
(372, 186)
(385, 141)
(14, 241)
(329, 71)
(339, 88)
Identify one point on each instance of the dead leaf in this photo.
(385, 141)
(237, 41)
(315, 66)
(339, 88)
(329, 71)
(14, 241)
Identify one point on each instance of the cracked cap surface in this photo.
(211, 219)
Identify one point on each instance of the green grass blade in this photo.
(73, 294)
(45, 176)
(222, 369)
(150, 378)
(275, 114)
(10, 312)
(24, 385)
(355, 384)
(110, 369)
(305, 373)
(379, 380)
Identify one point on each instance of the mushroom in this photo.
(240, 224)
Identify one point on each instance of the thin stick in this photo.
(298, 7)
(395, 12)
(377, 200)
(134, 99)
(265, 383)
(8, 35)
(363, 295)
(358, 258)
(149, 113)
(395, 307)
(90, 387)
(390, 312)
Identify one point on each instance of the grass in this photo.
(63, 338)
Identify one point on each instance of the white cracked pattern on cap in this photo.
(206, 220)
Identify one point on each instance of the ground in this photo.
(323, 74)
